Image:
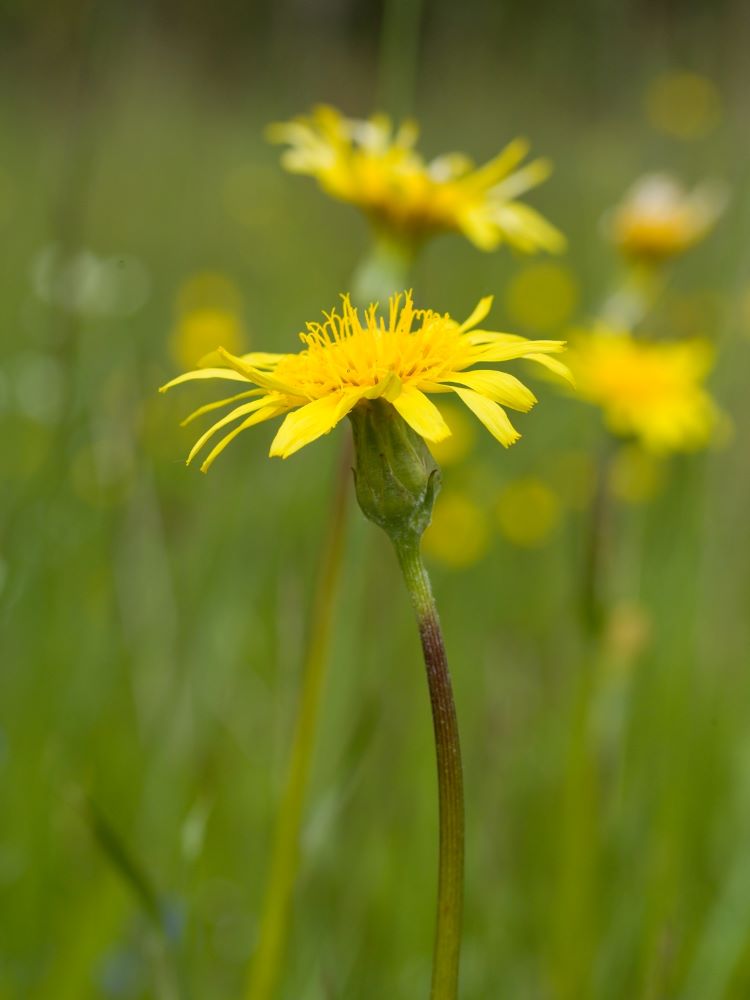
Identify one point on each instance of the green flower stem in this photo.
(399, 55)
(267, 962)
(450, 779)
(385, 269)
(593, 583)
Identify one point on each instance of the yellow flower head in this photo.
(367, 163)
(659, 219)
(400, 359)
(651, 391)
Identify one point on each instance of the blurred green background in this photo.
(153, 619)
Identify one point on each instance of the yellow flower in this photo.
(367, 163)
(659, 219)
(652, 391)
(401, 359)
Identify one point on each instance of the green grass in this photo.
(153, 619)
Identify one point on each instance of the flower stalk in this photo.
(450, 778)
(397, 481)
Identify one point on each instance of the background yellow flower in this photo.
(368, 163)
(659, 218)
(653, 391)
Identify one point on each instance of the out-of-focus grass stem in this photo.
(168, 981)
(383, 271)
(266, 964)
(575, 912)
(399, 55)
(596, 548)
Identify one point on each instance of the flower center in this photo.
(344, 352)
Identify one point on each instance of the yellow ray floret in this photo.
(368, 164)
(402, 358)
(653, 391)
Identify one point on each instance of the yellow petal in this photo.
(311, 421)
(507, 350)
(387, 388)
(493, 337)
(235, 414)
(523, 180)
(219, 403)
(554, 366)
(499, 166)
(481, 310)
(527, 230)
(494, 418)
(227, 373)
(479, 229)
(261, 359)
(256, 418)
(500, 387)
(422, 415)
(253, 374)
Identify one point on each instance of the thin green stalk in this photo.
(450, 780)
(597, 542)
(575, 911)
(399, 55)
(266, 965)
(384, 270)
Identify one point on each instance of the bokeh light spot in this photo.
(459, 534)
(573, 477)
(456, 447)
(209, 289)
(542, 296)
(636, 476)
(528, 511)
(683, 105)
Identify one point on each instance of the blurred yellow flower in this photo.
(202, 331)
(401, 359)
(659, 218)
(209, 316)
(459, 534)
(367, 163)
(636, 476)
(528, 511)
(652, 391)
(455, 448)
(542, 296)
(683, 105)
